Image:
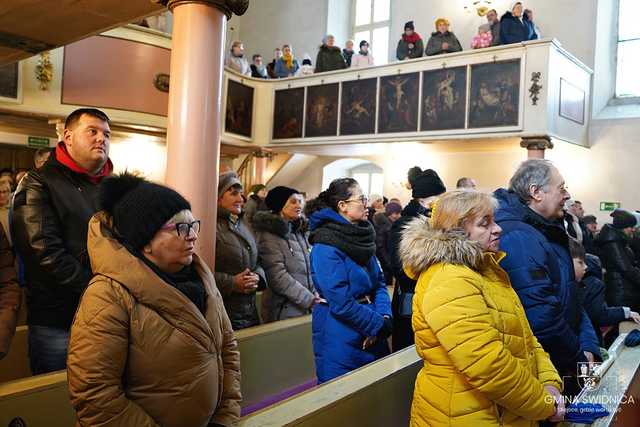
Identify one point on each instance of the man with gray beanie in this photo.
(237, 274)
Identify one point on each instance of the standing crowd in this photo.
(515, 26)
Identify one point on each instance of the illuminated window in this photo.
(371, 22)
(370, 177)
(627, 82)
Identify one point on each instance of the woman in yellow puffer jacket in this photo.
(483, 365)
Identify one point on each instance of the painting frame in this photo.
(444, 99)
(572, 109)
(11, 82)
(322, 108)
(238, 117)
(288, 113)
(358, 107)
(396, 91)
(494, 94)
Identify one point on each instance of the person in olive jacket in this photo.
(51, 211)
(410, 45)
(329, 56)
(443, 40)
(622, 276)
(284, 254)
(238, 274)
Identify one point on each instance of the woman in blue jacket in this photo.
(515, 26)
(351, 328)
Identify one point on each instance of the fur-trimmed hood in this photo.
(421, 247)
(275, 224)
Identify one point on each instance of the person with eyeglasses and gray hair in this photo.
(151, 343)
(540, 267)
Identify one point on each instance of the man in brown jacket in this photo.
(10, 295)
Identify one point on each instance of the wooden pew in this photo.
(15, 364)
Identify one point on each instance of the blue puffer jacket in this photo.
(541, 272)
(512, 30)
(341, 326)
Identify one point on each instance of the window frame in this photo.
(370, 27)
(621, 99)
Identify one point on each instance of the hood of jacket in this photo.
(421, 247)
(326, 48)
(325, 215)
(610, 234)
(508, 16)
(511, 208)
(275, 224)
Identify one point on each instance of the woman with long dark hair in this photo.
(351, 328)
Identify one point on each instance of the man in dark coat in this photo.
(424, 186)
(540, 266)
(329, 56)
(515, 26)
(494, 22)
(51, 212)
(622, 275)
(382, 222)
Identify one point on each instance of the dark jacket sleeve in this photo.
(588, 338)
(526, 265)
(621, 262)
(418, 51)
(455, 46)
(401, 50)
(320, 66)
(509, 32)
(434, 46)
(395, 263)
(596, 306)
(38, 235)
(10, 295)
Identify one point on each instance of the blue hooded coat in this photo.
(541, 272)
(341, 326)
(514, 30)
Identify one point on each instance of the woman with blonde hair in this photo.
(483, 365)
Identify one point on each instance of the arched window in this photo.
(371, 22)
(627, 82)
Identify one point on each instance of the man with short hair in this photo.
(540, 266)
(51, 212)
(466, 183)
(494, 22)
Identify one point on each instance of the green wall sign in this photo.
(38, 141)
(609, 206)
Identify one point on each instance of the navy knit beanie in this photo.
(139, 208)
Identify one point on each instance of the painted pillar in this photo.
(536, 146)
(193, 122)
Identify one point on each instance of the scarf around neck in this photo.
(413, 38)
(358, 241)
(288, 60)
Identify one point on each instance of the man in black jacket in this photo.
(424, 186)
(51, 212)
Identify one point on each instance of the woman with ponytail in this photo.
(151, 343)
(351, 327)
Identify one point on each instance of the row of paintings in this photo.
(492, 98)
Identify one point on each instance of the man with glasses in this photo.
(51, 212)
(540, 266)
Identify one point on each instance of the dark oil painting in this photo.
(288, 113)
(398, 110)
(495, 94)
(322, 111)
(358, 111)
(444, 99)
(9, 80)
(239, 115)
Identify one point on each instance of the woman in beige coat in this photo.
(151, 344)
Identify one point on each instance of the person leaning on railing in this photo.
(482, 363)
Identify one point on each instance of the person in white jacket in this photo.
(307, 68)
(363, 58)
(236, 60)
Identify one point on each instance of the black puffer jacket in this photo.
(622, 276)
(51, 213)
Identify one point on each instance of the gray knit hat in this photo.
(226, 181)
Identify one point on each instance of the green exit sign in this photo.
(609, 206)
(38, 141)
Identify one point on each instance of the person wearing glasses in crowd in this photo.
(351, 328)
(151, 343)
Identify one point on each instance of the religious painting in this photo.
(495, 94)
(571, 102)
(444, 99)
(358, 111)
(322, 111)
(9, 80)
(288, 113)
(239, 114)
(398, 109)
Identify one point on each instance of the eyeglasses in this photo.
(362, 199)
(184, 228)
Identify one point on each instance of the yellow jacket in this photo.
(482, 364)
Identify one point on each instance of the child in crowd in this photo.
(483, 38)
(307, 68)
(591, 293)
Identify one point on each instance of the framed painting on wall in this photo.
(239, 114)
(288, 113)
(322, 111)
(494, 100)
(571, 102)
(398, 109)
(10, 81)
(444, 99)
(358, 110)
